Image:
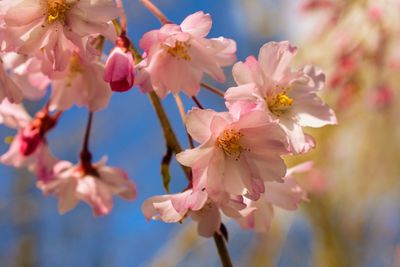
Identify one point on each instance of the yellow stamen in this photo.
(279, 103)
(180, 50)
(56, 10)
(229, 142)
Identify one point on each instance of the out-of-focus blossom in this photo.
(26, 73)
(83, 86)
(8, 88)
(120, 67)
(287, 96)
(286, 195)
(236, 153)
(13, 115)
(53, 29)
(71, 183)
(381, 97)
(28, 147)
(177, 56)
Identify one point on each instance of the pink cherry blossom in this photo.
(381, 97)
(196, 204)
(286, 195)
(120, 70)
(26, 73)
(71, 184)
(287, 96)
(83, 86)
(8, 88)
(13, 115)
(28, 148)
(236, 153)
(177, 56)
(53, 29)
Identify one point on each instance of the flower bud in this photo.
(120, 70)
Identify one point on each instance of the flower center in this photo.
(279, 103)
(180, 50)
(56, 10)
(229, 142)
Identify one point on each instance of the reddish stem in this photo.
(156, 11)
(213, 89)
(122, 15)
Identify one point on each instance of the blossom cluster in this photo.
(237, 168)
(363, 41)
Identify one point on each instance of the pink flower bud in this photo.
(120, 70)
(30, 141)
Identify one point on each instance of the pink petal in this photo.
(275, 59)
(197, 24)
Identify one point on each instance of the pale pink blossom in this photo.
(177, 56)
(120, 70)
(28, 147)
(53, 29)
(286, 195)
(196, 204)
(71, 184)
(83, 86)
(8, 88)
(13, 115)
(236, 153)
(26, 73)
(381, 97)
(288, 96)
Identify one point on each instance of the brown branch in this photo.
(213, 89)
(156, 11)
(222, 250)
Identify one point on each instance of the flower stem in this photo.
(169, 135)
(222, 250)
(181, 109)
(122, 15)
(213, 89)
(85, 155)
(197, 102)
(156, 11)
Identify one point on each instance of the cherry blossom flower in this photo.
(120, 67)
(70, 183)
(236, 153)
(287, 96)
(28, 148)
(53, 29)
(177, 56)
(286, 195)
(196, 204)
(26, 73)
(77, 88)
(13, 115)
(8, 88)
(382, 97)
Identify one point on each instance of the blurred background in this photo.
(352, 216)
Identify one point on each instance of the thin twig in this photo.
(213, 89)
(156, 11)
(169, 133)
(181, 109)
(122, 15)
(85, 155)
(198, 104)
(222, 250)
